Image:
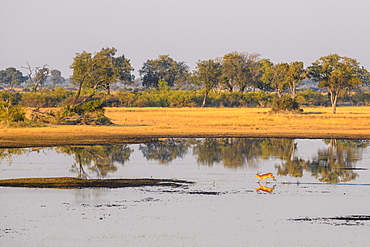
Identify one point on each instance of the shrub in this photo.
(10, 112)
(45, 98)
(285, 103)
(312, 98)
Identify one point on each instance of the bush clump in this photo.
(88, 113)
(285, 104)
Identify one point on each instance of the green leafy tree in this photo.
(279, 78)
(296, 73)
(207, 75)
(337, 75)
(56, 77)
(265, 76)
(10, 111)
(98, 71)
(240, 70)
(11, 76)
(164, 67)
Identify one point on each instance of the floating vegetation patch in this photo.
(214, 193)
(70, 183)
(197, 192)
(349, 220)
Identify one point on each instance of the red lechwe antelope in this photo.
(265, 189)
(265, 176)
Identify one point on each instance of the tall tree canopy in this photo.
(240, 70)
(207, 75)
(281, 76)
(296, 73)
(338, 75)
(164, 68)
(56, 77)
(12, 77)
(99, 70)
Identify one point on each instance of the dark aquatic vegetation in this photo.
(69, 183)
(349, 220)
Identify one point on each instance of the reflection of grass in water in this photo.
(68, 182)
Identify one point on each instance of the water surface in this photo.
(317, 181)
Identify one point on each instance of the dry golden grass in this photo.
(349, 122)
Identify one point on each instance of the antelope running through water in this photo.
(265, 189)
(265, 176)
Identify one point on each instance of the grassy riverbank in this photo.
(130, 123)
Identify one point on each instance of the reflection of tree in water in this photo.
(237, 152)
(98, 159)
(10, 153)
(292, 165)
(208, 151)
(165, 151)
(335, 164)
(332, 165)
(233, 152)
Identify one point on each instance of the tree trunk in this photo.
(204, 99)
(77, 95)
(108, 89)
(292, 89)
(279, 93)
(35, 87)
(334, 100)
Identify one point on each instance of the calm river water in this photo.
(320, 198)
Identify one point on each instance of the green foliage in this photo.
(207, 75)
(97, 72)
(240, 70)
(10, 112)
(337, 75)
(45, 98)
(164, 67)
(163, 85)
(285, 103)
(311, 98)
(126, 99)
(88, 113)
(12, 77)
(193, 98)
(56, 77)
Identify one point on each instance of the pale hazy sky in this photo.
(53, 31)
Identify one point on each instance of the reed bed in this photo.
(130, 123)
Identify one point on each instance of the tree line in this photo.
(235, 72)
